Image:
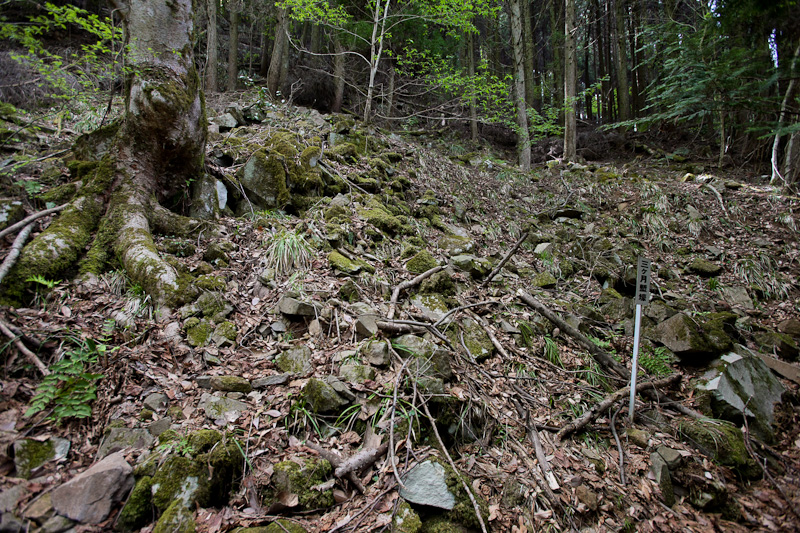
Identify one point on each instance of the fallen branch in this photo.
(533, 436)
(511, 252)
(335, 173)
(482, 323)
(407, 285)
(717, 194)
(16, 249)
(25, 351)
(602, 357)
(24, 222)
(401, 329)
(595, 411)
(336, 460)
(359, 460)
(462, 308)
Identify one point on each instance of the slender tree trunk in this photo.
(212, 48)
(263, 66)
(233, 51)
(473, 110)
(621, 62)
(557, 43)
(570, 75)
(279, 48)
(390, 95)
(376, 49)
(523, 138)
(587, 76)
(338, 74)
(776, 143)
(527, 41)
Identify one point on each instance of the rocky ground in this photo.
(313, 382)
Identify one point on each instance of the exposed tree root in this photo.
(22, 348)
(27, 220)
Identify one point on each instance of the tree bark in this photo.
(233, 50)
(523, 137)
(527, 43)
(776, 144)
(212, 48)
(570, 75)
(621, 62)
(338, 74)
(473, 111)
(274, 75)
(158, 149)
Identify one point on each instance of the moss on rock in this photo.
(421, 262)
(177, 518)
(293, 478)
(343, 264)
(724, 443)
(138, 510)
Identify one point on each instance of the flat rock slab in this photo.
(222, 409)
(120, 438)
(89, 497)
(426, 484)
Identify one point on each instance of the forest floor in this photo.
(544, 378)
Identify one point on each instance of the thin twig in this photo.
(511, 252)
(24, 222)
(461, 308)
(16, 249)
(496, 343)
(619, 445)
(25, 351)
(406, 285)
(593, 413)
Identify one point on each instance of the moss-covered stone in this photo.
(199, 333)
(381, 219)
(406, 519)
(342, 264)
(335, 212)
(31, 454)
(309, 157)
(138, 510)
(226, 330)
(704, 267)
(355, 373)
(343, 153)
(230, 384)
(264, 177)
(296, 360)
(293, 478)
(724, 443)
(439, 283)
(203, 440)
(320, 397)
(177, 518)
(210, 283)
(214, 305)
(349, 291)
(278, 526)
(475, 339)
(544, 280)
(421, 262)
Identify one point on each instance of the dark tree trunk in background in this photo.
(212, 48)
(233, 50)
(274, 75)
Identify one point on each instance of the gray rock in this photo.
(456, 244)
(235, 110)
(296, 360)
(278, 327)
(509, 328)
(356, 373)
(117, 439)
(204, 382)
(693, 213)
(56, 524)
(156, 401)
(426, 484)
(738, 297)
(264, 179)
(340, 200)
(271, 381)
(682, 335)
(790, 326)
(10, 497)
(544, 280)
(90, 496)
(543, 248)
(377, 353)
(367, 325)
(205, 203)
(294, 307)
(476, 267)
(704, 268)
(225, 121)
(172, 332)
(160, 426)
(213, 305)
(661, 473)
(30, 454)
(587, 496)
(659, 311)
(742, 385)
(11, 524)
(222, 410)
(673, 458)
(321, 397)
(412, 345)
(230, 384)
(432, 306)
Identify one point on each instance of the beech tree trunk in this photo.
(274, 75)
(338, 74)
(212, 48)
(473, 111)
(523, 137)
(570, 79)
(158, 149)
(621, 62)
(233, 51)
